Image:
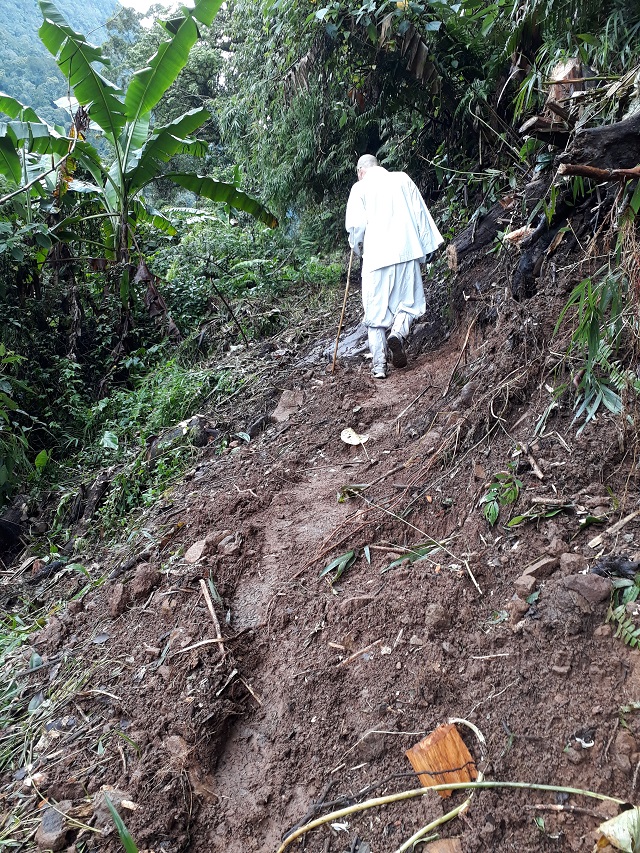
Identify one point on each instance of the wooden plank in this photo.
(442, 757)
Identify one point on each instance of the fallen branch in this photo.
(534, 465)
(455, 366)
(216, 624)
(598, 174)
(357, 654)
(615, 528)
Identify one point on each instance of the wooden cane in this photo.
(344, 305)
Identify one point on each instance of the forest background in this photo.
(119, 300)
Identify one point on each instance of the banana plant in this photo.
(138, 151)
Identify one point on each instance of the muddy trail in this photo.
(222, 689)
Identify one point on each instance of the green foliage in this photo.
(421, 551)
(338, 566)
(128, 843)
(162, 397)
(13, 438)
(138, 150)
(604, 322)
(503, 491)
(620, 613)
(254, 270)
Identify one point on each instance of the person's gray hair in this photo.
(366, 162)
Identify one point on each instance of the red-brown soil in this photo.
(317, 690)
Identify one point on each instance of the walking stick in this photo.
(344, 305)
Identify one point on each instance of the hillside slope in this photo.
(221, 692)
(27, 70)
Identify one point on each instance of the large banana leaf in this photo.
(133, 137)
(14, 109)
(149, 166)
(89, 158)
(36, 137)
(165, 143)
(204, 11)
(10, 164)
(143, 213)
(148, 85)
(75, 58)
(219, 191)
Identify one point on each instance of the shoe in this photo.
(379, 371)
(398, 355)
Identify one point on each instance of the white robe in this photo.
(388, 216)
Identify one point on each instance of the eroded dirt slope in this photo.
(223, 723)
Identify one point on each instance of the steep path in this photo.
(220, 734)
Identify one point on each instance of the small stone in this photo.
(164, 672)
(468, 392)
(289, 403)
(516, 608)
(574, 756)
(118, 600)
(230, 546)
(542, 567)
(52, 832)
(437, 618)
(602, 632)
(449, 648)
(572, 564)
(592, 587)
(214, 539)
(177, 747)
(415, 641)
(431, 440)
(101, 811)
(557, 546)
(623, 763)
(146, 578)
(625, 743)
(151, 652)
(560, 670)
(597, 501)
(194, 552)
(525, 585)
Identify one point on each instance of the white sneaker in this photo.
(379, 371)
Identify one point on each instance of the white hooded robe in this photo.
(388, 216)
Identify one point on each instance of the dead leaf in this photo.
(350, 436)
(623, 830)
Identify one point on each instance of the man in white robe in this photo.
(390, 225)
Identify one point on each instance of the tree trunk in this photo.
(483, 232)
(614, 146)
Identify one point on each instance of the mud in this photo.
(317, 689)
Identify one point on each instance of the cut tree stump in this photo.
(442, 757)
(612, 146)
(482, 232)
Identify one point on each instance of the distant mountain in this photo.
(27, 70)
